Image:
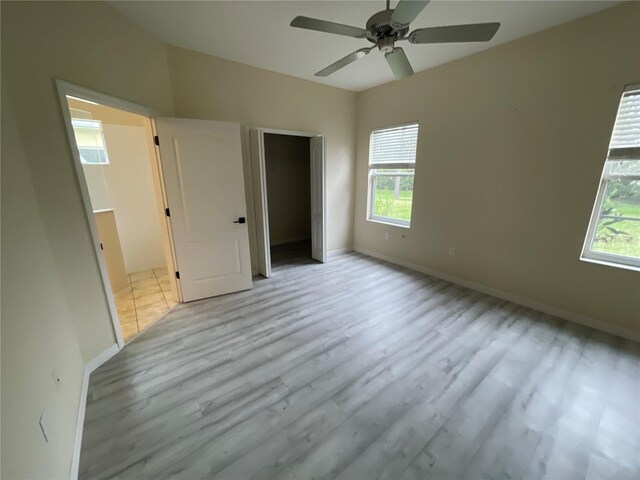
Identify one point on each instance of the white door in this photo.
(318, 230)
(202, 167)
(256, 138)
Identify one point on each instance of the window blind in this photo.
(90, 141)
(625, 140)
(394, 145)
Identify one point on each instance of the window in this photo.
(392, 161)
(90, 140)
(614, 230)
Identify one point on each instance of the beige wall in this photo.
(54, 311)
(38, 334)
(511, 148)
(212, 88)
(42, 42)
(288, 171)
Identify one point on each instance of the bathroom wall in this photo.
(126, 185)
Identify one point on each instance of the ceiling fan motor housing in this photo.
(382, 33)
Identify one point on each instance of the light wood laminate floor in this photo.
(358, 369)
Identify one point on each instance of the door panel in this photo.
(202, 167)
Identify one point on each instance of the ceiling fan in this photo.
(389, 26)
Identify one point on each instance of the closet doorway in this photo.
(289, 191)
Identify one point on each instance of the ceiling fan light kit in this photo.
(389, 26)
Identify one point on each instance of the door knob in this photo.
(241, 220)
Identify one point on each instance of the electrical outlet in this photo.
(452, 251)
(43, 427)
(386, 235)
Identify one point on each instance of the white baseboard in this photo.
(494, 292)
(89, 367)
(338, 251)
(103, 357)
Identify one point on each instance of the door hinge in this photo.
(178, 275)
(156, 140)
(167, 212)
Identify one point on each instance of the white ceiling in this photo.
(258, 33)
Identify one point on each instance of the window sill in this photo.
(385, 221)
(610, 263)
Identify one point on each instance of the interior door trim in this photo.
(258, 169)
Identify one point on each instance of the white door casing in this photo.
(256, 138)
(202, 168)
(318, 197)
(318, 208)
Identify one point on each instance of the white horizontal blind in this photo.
(611, 234)
(625, 140)
(90, 141)
(394, 145)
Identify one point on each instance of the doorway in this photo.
(289, 192)
(288, 172)
(195, 165)
(122, 178)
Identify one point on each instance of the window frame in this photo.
(371, 176)
(80, 147)
(626, 153)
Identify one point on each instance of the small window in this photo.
(392, 161)
(90, 140)
(613, 236)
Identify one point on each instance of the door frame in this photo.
(65, 89)
(261, 206)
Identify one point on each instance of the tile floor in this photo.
(147, 298)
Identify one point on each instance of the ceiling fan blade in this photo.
(399, 63)
(343, 62)
(476, 32)
(328, 27)
(406, 11)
